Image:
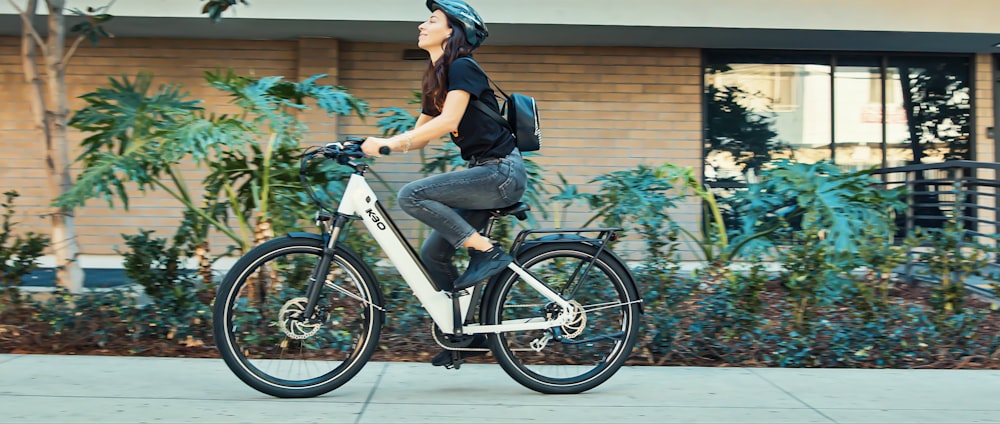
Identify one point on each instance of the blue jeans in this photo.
(455, 205)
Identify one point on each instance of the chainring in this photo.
(450, 341)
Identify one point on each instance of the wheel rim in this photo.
(268, 341)
(605, 337)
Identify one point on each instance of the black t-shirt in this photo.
(479, 136)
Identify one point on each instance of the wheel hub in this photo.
(575, 319)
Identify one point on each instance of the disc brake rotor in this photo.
(576, 322)
(291, 323)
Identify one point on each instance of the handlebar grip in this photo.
(384, 150)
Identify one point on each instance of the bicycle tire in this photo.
(265, 346)
(566, 365)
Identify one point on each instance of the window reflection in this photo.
(761, 112)
(860, 111)
(936, 109)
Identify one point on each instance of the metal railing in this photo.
(966, 191)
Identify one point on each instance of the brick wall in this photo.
(983, 68)
(603, 110)
(985, 146)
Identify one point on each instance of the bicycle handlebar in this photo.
(343, 152)
(348, 149)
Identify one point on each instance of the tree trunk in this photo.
(69, 272)
(263, 231)
(51, 114)
(201, 253)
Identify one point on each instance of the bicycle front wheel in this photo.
(586, 351)
(263, 336)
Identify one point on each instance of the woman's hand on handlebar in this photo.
(376, 146)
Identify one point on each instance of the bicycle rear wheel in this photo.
(258, 326)
(578, 356)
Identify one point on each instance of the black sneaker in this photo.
(483, 265)
(446, 357)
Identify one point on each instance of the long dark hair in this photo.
(436, 76)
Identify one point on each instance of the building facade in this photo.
(638, 82)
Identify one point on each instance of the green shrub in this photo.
(178, 304)
(87, 320)
(950, 258)
(18, 254)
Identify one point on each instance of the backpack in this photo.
(522, 117)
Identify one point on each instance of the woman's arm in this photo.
(421, 120)
(426, 129)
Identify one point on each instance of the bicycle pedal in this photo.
(460, 293)
(456, 361)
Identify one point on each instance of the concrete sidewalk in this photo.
(84, 389)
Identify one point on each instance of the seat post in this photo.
(489, 226)
(518, 210)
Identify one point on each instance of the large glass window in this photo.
(858, 110)
(858, 113)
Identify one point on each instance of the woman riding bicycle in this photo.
(454, 204)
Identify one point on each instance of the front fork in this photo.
(331, 231)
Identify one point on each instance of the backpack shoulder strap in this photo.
(478, 103)
(476, 64)
(491, 113)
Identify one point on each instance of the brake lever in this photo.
(332, 150)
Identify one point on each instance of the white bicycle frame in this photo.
(360, 200)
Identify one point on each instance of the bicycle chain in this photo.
(577, 323)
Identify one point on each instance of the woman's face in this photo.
(434, 31)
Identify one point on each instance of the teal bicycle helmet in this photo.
(461, 12)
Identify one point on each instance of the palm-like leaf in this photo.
(140, 135)
(214, 8)
(131, 137)
(394, 120)
(636, 197)
(832, 203)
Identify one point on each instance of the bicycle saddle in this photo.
(519, 210)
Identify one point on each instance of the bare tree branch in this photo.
(29, 27)
(72, 50)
